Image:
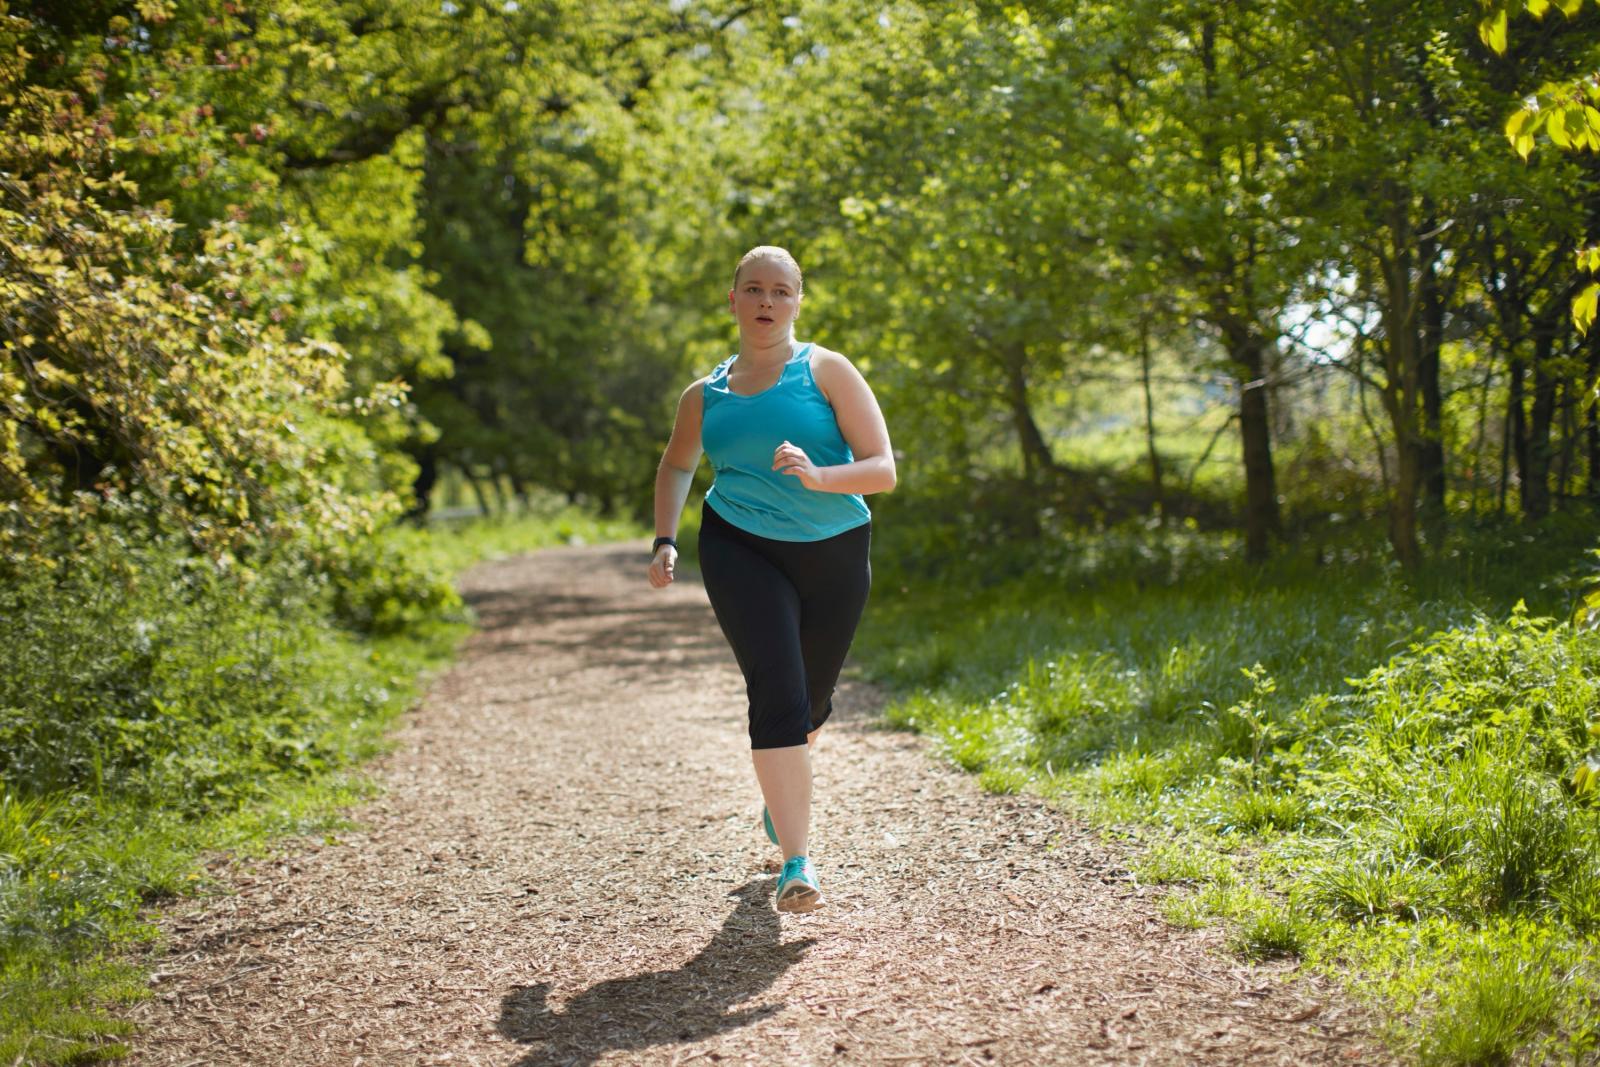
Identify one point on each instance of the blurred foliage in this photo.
(1567, 113)
(507, 227)
(1010, 204)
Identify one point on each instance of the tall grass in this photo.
(1369, 770)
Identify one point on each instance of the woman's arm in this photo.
(861, 423)
(674, 477)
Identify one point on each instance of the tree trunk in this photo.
(1150, 421)
(1430, 302)
(1402, 392)
(1569, 441)
(1403, 506)
(497, 485)
(477, 490)
(1516, 440)
(1478, 463)
(519, 489)
(1037, 459)
(1504, 283)
(1261, 519)
(1592, 430)
(1592, 423)
(1541, 416)
(1432, 472)
(427, 459)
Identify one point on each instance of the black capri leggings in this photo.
(789, 609)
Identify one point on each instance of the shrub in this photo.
(142, 671)
(388, 582)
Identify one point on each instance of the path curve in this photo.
(565, 868)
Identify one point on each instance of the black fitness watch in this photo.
(656, 547)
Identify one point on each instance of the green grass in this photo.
(456, 545)
(1505, 990)
(1267, 930)
(179, 769)
(1367, 770)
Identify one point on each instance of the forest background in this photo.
(1236, 356)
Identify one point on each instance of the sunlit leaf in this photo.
(1555, 128)
(1492, 30)
(1584, 307)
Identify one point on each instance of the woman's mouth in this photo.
(763, 318)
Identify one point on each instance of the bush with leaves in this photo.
(125, 364)
(141, 670)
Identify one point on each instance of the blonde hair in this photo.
(772, 252)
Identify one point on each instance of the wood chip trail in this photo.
(566, 868)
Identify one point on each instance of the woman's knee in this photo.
(780, 723)
(820, 710)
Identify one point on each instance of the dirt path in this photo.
(566, 869)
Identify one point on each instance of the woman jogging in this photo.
(796, 439)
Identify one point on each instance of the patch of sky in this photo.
(1324, 327)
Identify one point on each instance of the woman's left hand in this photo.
(792, 459)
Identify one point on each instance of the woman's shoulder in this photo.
(826, 360)
(693, 393)
(829, 367)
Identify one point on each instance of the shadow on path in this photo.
(625, 637)
(662, 1007)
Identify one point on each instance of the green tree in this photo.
(1203, 96)
(945, 214)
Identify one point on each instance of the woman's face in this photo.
(765, 301)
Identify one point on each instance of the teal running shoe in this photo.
(797, 886)
(766, 824)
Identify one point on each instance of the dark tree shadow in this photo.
(662, 1007)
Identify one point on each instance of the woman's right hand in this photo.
(662, 566)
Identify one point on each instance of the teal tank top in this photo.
(739, 435)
